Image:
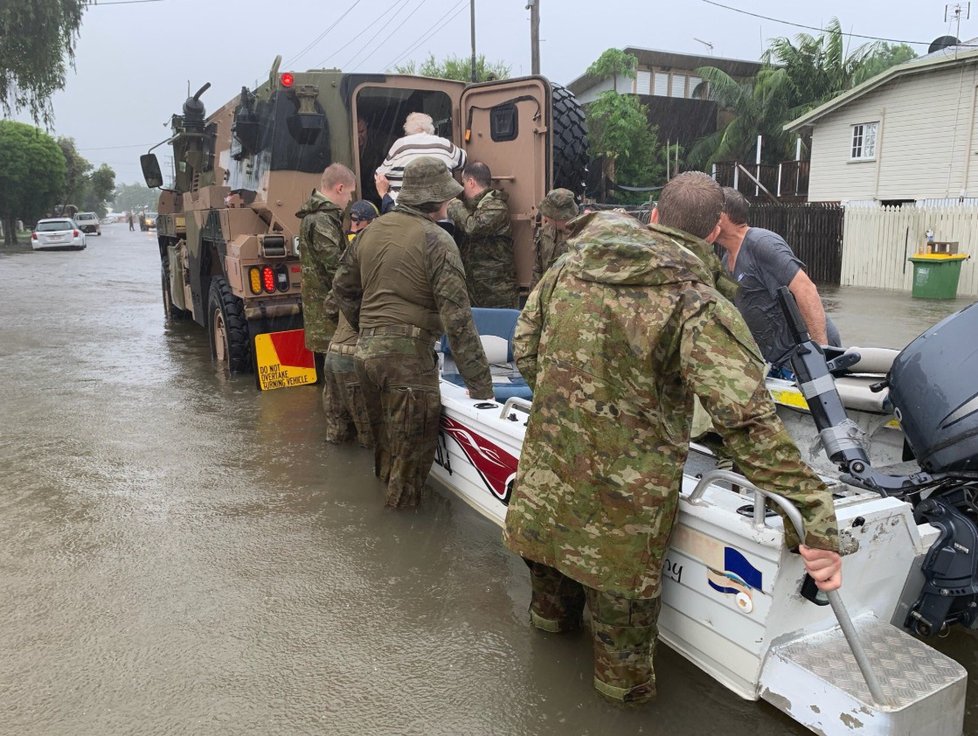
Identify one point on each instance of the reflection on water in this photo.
(180, 553)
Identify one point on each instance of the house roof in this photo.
(674, 60)
(966, 53)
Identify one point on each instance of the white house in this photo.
(906, 135)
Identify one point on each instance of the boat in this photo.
(741, 607)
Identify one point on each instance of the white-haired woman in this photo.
(419, 140)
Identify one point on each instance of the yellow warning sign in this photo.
(283, 360)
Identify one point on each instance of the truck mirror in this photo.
(151, 170)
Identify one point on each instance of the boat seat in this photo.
(495, 328)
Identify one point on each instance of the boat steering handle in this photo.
(794, 516)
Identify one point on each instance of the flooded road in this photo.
(182, 554)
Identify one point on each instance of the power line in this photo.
(322, 35)
(354, 38)
(403, 22)
(458, 8)
(816, 28)
(115, 148)
(96, 3)
(403, 5)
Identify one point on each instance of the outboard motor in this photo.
(933, 386)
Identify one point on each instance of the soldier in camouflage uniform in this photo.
(343, 403)
(485, 234)
(321, 241)
(617, 338)
(550, 240)
(401, 284)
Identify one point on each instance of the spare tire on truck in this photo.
(569, 141)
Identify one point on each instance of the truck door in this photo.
(507, 125)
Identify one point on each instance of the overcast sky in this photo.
(135, 59)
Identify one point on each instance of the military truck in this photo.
(227, 229)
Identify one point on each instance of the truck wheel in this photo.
(170, 310)
(228, 328)
(570, 141)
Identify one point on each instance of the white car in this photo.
(88, 223)
(57, 233)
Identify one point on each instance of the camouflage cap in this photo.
(427, 180)
(559, 204)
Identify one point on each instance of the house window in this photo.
(661, 88)
(678, 85)
(863, 142)
(643, 83)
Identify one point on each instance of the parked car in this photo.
(88, 223)
(57, 233)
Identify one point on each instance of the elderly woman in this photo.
(419, 140)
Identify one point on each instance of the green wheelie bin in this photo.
(935, 275)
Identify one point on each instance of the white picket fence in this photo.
(877, 241)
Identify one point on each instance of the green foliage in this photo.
(798, 75)
(99, 190)
(37, 42)
(620, 135)
(886, 56)
(32, 174)
(614, 63)
(76, 171)
(455, 67)
(130, 197)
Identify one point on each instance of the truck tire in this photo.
(170, 310)
(228, 328)
(570, 141)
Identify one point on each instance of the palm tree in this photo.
(755, 107)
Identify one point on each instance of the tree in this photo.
(614, 63)
(455, 67)
(620, 135)
(797, 76)
(37, 42)
(100, 188)
(759, 106)
(888, 55)
(129, 197)
(32, 174)
(77, 169)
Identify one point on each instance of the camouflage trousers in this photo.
(399, 381)
(623, 630)
(497, 290)
(346, 413)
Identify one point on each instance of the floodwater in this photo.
(182, 554)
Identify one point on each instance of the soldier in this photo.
(616, 339)
(321, 242)
(483, 226)
(362, 213)
(556, 209)
(401, 284)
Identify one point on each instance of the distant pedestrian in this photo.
(132, 225)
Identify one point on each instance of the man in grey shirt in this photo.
(761, 262)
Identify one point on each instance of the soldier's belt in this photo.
(343, 349)
(399, 331)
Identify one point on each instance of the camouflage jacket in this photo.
(485, 234)
(405, 270)
(550, 243)
(321, 241)
(721, 280)
(616, 339)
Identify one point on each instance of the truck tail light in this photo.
(268, 279)
(254, 279)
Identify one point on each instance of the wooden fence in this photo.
(814, 232)
(879, 240)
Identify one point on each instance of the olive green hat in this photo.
(559, 204)
(427, 180)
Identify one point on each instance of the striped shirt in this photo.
(410, 147)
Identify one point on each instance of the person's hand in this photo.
(825, 567)
(382, 184)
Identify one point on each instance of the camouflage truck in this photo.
(227, 229)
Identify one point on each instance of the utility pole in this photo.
(472, 23)
(534, 7)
